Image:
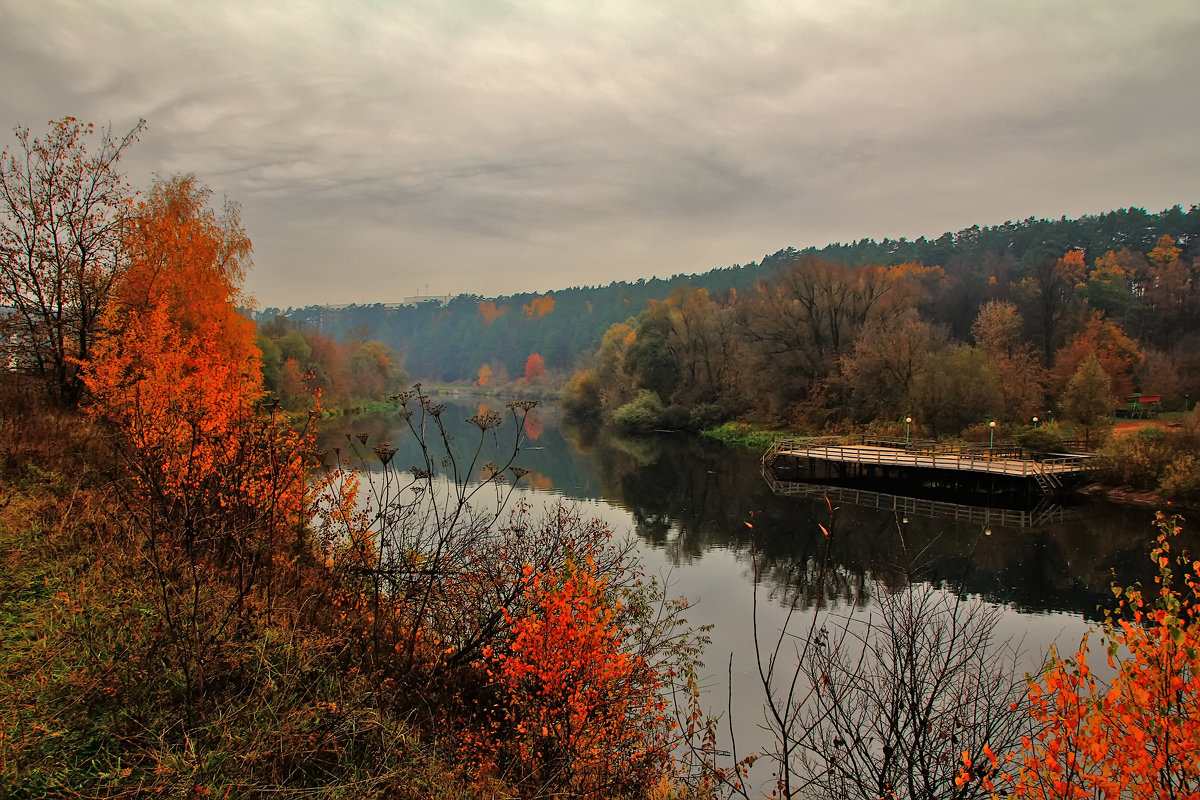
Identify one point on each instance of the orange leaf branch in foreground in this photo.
(579, 699)
(1140, 738)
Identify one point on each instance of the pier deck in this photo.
(1010, 462)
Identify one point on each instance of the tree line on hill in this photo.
(826, 341)
(987, 323)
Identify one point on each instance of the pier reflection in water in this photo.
(1044, 513)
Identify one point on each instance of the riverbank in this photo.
(150, 651)
(91, 706)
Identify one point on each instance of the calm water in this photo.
(687, 502)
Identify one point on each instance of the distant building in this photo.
(1141, 406)
(417, 299)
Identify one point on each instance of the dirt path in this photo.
(1127, 427)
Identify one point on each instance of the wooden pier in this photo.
(875, 456)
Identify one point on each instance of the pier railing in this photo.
(1006, 460)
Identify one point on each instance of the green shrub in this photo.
(1138, 461)
(707, 415)
(1152, 437)
(1181, 482)
(741, 434)
(1046, 438)
(644, 412)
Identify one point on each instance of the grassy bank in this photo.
(150, 649)
(90, 705)
(743, 434)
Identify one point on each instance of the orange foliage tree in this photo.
(219, 489)
(485, 375)
(179, 370)
(581, 702)
(1140, 737)
(491, 312)
(539, 306)
(1119, 355)
(535, 367)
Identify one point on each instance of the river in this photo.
(687, 502)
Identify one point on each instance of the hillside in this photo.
(451, 343)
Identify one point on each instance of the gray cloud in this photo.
(490, 147)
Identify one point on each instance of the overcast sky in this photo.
(380, 148)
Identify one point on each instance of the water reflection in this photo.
(688, 501)
(687, 497)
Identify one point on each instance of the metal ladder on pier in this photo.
(1048, 481)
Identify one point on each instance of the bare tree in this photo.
(893, 717)
(885, 704)
(61, 212)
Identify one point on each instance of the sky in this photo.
(385, 149)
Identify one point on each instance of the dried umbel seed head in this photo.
(420, 474)
(486, 420)
(385, 452)
(518, 472)
(523, 405)
(403, 397)
(362, 437)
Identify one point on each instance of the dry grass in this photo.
(90, 705)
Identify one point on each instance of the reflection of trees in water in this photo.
(554, 464)
(687, 495)
(807, 586)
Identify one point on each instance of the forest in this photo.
(990, 323)
(197, 600)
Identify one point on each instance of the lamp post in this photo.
(1035, 422)
(992, 435)
(907, 428)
